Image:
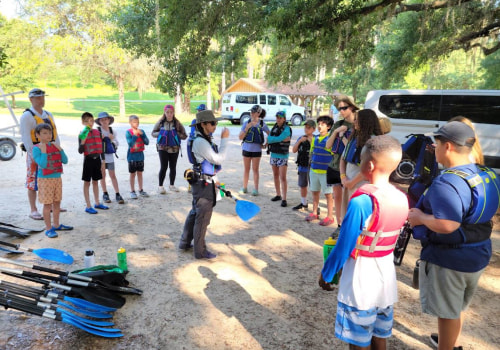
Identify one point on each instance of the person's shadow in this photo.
(259, 321)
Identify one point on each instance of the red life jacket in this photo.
(93, 143)
(379, 238)
(54, 160)
(138, 145)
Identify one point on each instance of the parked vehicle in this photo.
(236, 107)
(424, 111)
(8, 143)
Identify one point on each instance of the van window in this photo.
(226, 98)
(271, 99)
(284, 101)
(410, 106)
(479, 109)
(250, 99)
(262, 99)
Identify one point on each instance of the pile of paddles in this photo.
(85, 299)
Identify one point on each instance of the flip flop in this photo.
(36, 215)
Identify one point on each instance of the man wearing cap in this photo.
(207, 159)
(453, 221)
(29, 120)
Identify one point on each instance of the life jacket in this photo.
(280, 147)
(168, 138)
(321, 157)
(303, 153)
(138, 145)
(108, 145)
(476, 224)
(39, 120)
(54, 160)
(93, 143)
(255, 134)
(339, 146)
(390, 211)
(205, 167)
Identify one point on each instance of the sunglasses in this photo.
(343, 108)
(213, 123)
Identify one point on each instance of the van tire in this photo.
(7, 150)
(244, 117)
(296, 120)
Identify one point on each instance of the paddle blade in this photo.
(246, 210)
(54, 255)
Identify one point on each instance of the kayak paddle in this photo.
(244, 209)
(45, 253)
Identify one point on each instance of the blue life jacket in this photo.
(108, 145)
(338, 146)
(255, 134)
(321, 157)
(351, 153)
(168, 138)
(205, 167)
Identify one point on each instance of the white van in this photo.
(423, 111)
(236, 107)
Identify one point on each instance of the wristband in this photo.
(342, 176)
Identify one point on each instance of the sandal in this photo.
(326, 222)
(63, 228)
(311, 217)
(51, 233)
(36, 215)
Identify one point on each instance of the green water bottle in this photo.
(122, 259)
(327, 248)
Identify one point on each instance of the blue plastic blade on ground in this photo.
(54, 255)
(86, 320)
(246, 210)
(91, 330)
(86, 312)
(89, 305)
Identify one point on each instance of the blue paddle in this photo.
(45, 253)
(244, 209)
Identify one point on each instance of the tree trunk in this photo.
(209, 91)
(178, 100)
(13, 98)
(121, 95)
(187, 102)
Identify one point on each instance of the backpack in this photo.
(108, 145)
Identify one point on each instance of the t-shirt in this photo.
(366, 282)
(449, 198)
(250, 146)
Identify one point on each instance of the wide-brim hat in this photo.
(345, 99)
(104, 115)
(204, 117)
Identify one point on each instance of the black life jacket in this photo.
(280, 147)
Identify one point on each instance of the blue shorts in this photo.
(357, 327)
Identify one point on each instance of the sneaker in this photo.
(300, 206)
(434, 340)
(51, 233)
(90, 210)
(255, 193)
(326, 222)
(276, 198)
(284, 203)
(133, 195)
(63, 228)
(207, 255)
(243, 190)
(311, 217)
(101, 206)
(105, 198)
(162, 190)
(144, 194)
(183, 246)
(120, 199)
(172, 188)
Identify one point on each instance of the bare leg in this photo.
(114, 181)
(86, 193)
(56, 210)
(303, 192)
(246, 171)
(255, 169)
(103, 180)
(379, 343)
(315, 195)
(139, 180)
(448, 332)
(284, 184)
(329, 205)
(337, 196)
(32, 200)
(132, 182)
(276, 178)
(46, 216)
(95, 189)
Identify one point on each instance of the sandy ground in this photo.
(260, 293)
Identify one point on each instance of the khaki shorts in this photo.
(445, 293)
(49, 190)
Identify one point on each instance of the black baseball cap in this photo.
(457, 132)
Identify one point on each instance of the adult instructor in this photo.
(29, 120)
(207, 159)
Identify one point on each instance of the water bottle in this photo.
(327, 248)
(122, 259)
(89, 259)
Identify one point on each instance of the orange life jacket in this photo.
(138, 145)
(93, 143)
(39, 120)
(54, 160)
(390, 211)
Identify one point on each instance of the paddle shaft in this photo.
(49, 270)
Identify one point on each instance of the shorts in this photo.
(333, 177)
(357, 327)
(278, 161)
(31, 173)
(49, 190)
(110, 166)
(251, 154)
(92, 169)
(445, 293)
(135, 165)
(318, 183)
(303, 178)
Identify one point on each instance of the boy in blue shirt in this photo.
(136, 140)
